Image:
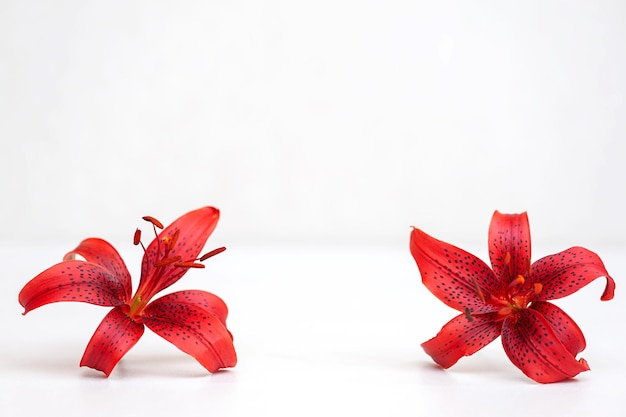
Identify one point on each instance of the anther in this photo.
(212, 253)
(189, 265)
(137, 237)
(154, 221)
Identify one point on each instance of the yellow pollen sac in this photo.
(537, 288)
(519, 302)
(136, 303)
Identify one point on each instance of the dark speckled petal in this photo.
(190, 232)
(566, 272)
(101, 252)
(453, 274)
(115, 336)
(462, 337)
(72, 281)
(563, 326)
(509, 234)
(192, 329)
(533, 346)
(203, 299)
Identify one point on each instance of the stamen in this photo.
(136, 302)
(537, 288)
(189, 265)
(137, 237)
(168, 261)
(507, 258)
(478, 290)
(507, 263)
(174, 239)
(506, 271)
(154, 221)
(515, 285)
(155, 224)
(212, 253)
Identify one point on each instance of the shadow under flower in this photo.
(483, 366)
(172, 365)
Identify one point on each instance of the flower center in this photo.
(161, 266)
(518, 296)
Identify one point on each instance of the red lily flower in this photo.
(509, 299)
(194, 321)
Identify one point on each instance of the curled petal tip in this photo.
(584, 363)
(609, 290)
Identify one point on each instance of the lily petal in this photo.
(209, 302)
(534, 347)
(456, 277)
(563, 325)
(462, 337)
(73, 281)
(509, 245)
(99, 251)
(190, 233)
(115, 336)
(566, 272)
(193, 330)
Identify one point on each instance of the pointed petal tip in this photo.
(208, 211)
(430, 352)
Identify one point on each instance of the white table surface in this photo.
(319, 330)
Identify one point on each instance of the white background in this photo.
(322, 130)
